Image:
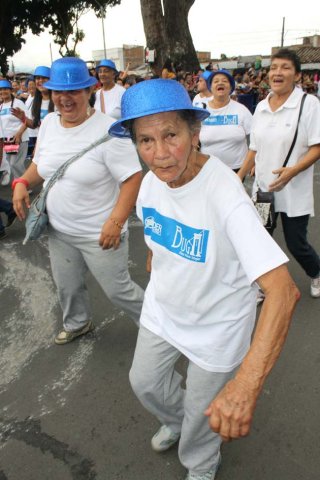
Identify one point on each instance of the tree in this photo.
(60, 16)
(167, 32)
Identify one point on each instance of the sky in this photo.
(232, 28)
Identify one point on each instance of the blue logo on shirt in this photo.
(5, 111)
(221, 120)
(188, 242)
(43, 113)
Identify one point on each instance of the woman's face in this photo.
(165, 144)
(106, 75)
(5, 94)
(72, 105)
(31, 87)
(282, 76)
(220, 86)
(39, 83)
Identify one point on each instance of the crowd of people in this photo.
(209, 257)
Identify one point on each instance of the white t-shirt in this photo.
(9, 124)
(82, 200)
(224, 133)
(201, 102)
(271, 137)
(112, 101)
(209, 247)
(44, 110)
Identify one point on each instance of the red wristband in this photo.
(19, 180)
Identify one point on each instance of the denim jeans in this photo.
(5, 207)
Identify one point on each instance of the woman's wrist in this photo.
(20, 180)
(116, 222)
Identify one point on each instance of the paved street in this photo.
(68, 412)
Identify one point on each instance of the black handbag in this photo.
(264, 201)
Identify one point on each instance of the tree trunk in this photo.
(168, 32)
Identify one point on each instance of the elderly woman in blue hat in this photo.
(89, 206)
(208, 251)
(225, 133)
(108, 98)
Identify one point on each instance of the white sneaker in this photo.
(164, 439)
(315, 287)
(210, 475)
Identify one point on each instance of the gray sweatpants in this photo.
(71, 257)
(158, 386)
(17, 162)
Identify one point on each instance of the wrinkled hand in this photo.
(285, 175)
(231, 412)
(21, 200)
(110, 236)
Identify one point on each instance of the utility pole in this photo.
(282, 33)
(102, 12)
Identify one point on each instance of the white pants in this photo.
(71, 257)
(158, 386)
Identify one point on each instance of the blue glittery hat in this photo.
(5, 84)
(69, 73)
(150, 97)
(42, 71)
(222, 72)
(107, 63)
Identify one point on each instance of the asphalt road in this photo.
(68, 412)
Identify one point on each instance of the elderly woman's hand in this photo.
(231, 412)
(110, 235)
(21, 200)
(285, 175)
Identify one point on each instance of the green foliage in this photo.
(59, 16)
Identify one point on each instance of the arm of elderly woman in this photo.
(21, 199)
(111, 229)
(231, 412)
(287, 173)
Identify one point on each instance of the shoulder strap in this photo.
(102, 105)
(61, 170)
(296, 132)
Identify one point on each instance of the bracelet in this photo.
(116, 223)
(19, 180)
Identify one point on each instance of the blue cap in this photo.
(106, 63)
(223, 72)
(42, 71)
(150, 97)
(69, 73)
(5, 84)
(205, 75)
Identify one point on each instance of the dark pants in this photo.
(295, 231)
(5, 207)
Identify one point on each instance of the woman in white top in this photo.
(108, 98)
(12, 131)
(207, 250)
(41, 105)
(225, 132)
(89, 206)
(274, 124)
